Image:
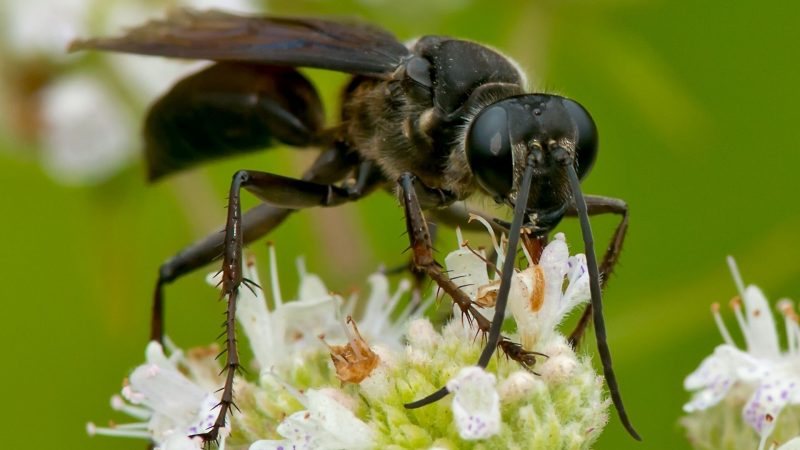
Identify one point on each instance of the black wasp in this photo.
(435, 121)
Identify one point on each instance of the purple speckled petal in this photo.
(715, 376)
(768, 400)
(476, 403)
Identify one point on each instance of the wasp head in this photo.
(546, 132)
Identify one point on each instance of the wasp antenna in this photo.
(505, 287)
(433, 398)
(597, 301)
(508, 266)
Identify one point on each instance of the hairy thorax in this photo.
(385, 124)
(416, 120)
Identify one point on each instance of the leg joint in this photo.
(241, 177)
(166, 273)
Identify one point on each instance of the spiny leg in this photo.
(277, 190)
(454, 215)
(422, 252)
(256, 222)
(329, 167)
(596, 205)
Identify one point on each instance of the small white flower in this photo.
(291, 326)
(468, 269)
(544, 301)
(325, 424)
(177, 441)
(519, 385)
(276, 336)
(171, 406)
(86, 132)
(539, 298)
(377, 323)
(476, 403)
(793, 444)
(772, 375)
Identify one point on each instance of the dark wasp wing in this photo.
(226, 109)
(252, 97)
(298, 42)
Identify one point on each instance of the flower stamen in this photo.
(737, 276)
(761, 445)
(790, 317)
(118, 431)
(488, 226)
(736, 305)
(537, 296)
(273, 275)
(723, 330)
(118, 404)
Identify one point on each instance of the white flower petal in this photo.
(305, 320)
(554, 263)
(555, 257)
(264, 334)
(577, 291)
(775, 391)
(166, 392)
(154, 354)
(339, 423)
(793, 444)
(380, 320)
(378, 296)
(715, 376)
(476, 403)
(326, 425)
(311, 285)
(205, 417)
(761, 324)
(177, 441)
(275, 445)
(539, 298)
(467, 270)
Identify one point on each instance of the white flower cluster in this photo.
(761, 381)
(315, 395)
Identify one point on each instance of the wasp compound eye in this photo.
(586, 147)
(489, 151)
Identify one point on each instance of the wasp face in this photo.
(543, 131)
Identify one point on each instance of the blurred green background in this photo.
(696, 106)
